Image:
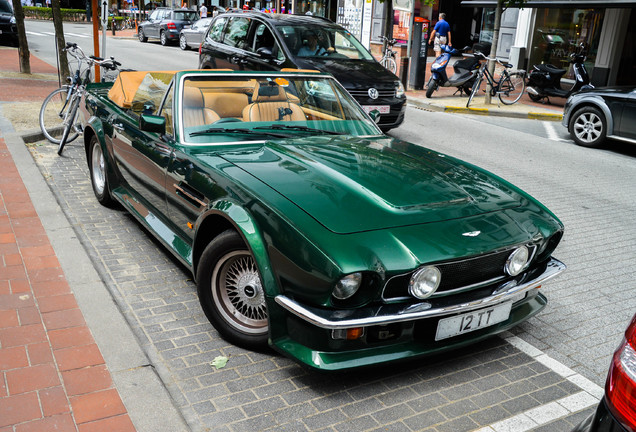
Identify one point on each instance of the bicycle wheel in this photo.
(70, 124)
(52, 115)
(475, 88)
(511, 87)
(389, 64)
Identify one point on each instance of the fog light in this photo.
(424, 282)
(517, 261)
(347, 286)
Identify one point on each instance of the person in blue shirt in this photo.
(311, 48)
(441, 34)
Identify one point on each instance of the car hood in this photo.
(352, 74)
(355, 184)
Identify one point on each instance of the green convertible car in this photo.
(305, 227)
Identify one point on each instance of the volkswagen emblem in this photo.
(373, 93)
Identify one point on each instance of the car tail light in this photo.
(171, 26)
(620, 389)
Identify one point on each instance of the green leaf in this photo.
(219, 362)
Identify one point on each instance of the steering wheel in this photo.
(227, 120)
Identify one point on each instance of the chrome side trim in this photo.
(392, 313)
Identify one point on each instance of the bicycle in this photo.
(59, 109)
(509, 87)
(388, 61)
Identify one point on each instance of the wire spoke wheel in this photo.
(512, 87)
(53, 114)
(238, 292)
(389, 64)
(475, 88)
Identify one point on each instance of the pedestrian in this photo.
(203, 11)
(215, 11)
(441, 34)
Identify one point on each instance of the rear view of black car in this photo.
(8, 27)
(258, 41)
(617, 410)
(166, 24)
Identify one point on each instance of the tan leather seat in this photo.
(226, 104)
(194, 111)
(270, 103)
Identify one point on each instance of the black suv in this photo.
(166, 24)
(258, 41)
(8, 28)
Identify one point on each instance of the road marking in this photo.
(555, 410)
(32, 33)
(77, 35)
(550, 130)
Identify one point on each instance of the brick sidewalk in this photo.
(52, 374)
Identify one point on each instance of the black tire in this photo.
(52, 115)
(231, 292)
(183, 44)
(163, 38)
(512, 88)
(432, 86)
(99, 173)
(140, 34)
(588, 127)
(69, 125)
(535, 98)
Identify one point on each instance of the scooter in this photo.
(465, 71)
(545, 79)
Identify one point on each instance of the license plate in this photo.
(383, 109)
(468, 322)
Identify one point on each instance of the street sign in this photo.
(104, 5)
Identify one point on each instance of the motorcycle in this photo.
(465, 71)
(545, 79)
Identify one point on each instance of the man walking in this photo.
(441, 34)
(203, 11)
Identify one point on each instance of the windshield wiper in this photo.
(236, 131)
(299, 128)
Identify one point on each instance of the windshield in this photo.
(323, 42)
(225, 108)
(5, 7)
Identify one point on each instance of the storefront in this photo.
(548, 31)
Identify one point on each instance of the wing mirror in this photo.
(152, 123)
(265, 53)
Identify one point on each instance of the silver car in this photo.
(191, 37)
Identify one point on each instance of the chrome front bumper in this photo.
(395, 313)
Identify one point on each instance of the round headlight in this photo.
(517, 261)
(424, 282)
(347, 286)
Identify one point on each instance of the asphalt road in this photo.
(591, 191)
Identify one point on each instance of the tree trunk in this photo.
(388, 23)
(59, 37)
(23, 45)
(493, 49)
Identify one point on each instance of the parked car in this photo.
(258, 41)
(617, 410)
(308, 229)
(8, 27)
(166, 24)
(594, 115)
(191, 37)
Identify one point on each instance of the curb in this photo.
(417, 103)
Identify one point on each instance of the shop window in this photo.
(561, 32)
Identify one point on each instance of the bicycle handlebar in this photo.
(484, 57)
(77, 52)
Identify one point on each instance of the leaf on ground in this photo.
(219, 362)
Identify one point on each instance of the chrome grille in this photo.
(462, 274)
(364, 93)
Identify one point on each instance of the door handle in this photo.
(119, 127)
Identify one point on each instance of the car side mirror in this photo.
(375, 116)
(152, 123)
(266, 53)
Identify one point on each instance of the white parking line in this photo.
(552, 411)
(551, 132)
(77, 35)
